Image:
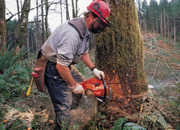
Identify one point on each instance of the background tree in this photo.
(23, 22)
(2, 24)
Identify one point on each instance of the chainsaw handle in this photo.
(89, 93)
(104, 87)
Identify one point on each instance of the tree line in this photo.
(32, 34)
(162, 17)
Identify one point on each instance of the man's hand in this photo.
(77, 89)
(98, 73)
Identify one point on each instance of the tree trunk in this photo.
(153, 26)
(67, 11)
(61, 11)
(157, 25)
(17, 1)
(2, 25)
(161, 24)
(37, 29)
(76, 7)
(174, 31)
(23, 22)
(145, 24)
(73, 9)
(27, 40)
(164, 23)
(42, 24)
(46, 18)
(119, 53)
(168, 26)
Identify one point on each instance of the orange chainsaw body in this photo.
(96, 86)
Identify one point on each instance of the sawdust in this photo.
(27, 117)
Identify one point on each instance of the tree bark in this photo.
(73, 9)
(42, 23)
(168, 26)
(119, 53)
(46, 18)
(164, 23)
(37, 29)
(157, 25)
(67, 11)
(23, 22)
(161, 24)
(17, 1)
(61, 11)
(174, 31)
(2, 25)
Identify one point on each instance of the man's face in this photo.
(97, 25)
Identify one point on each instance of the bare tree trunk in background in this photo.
(157, 25)
(23, 22)
(67, 11)
(21, 4)
(120, 54)
(27, 40)
(145, 24)
(2, 25)
(73, 9)
(46, 18)
(42, 23)
(153, 27)
(17, 1)
(174, 31)
(168, 26)
(61, 11)
(164, 23)
(37, 29)
(76, 7)
(161, 24)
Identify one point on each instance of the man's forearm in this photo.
(65, 73)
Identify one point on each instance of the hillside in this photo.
(162, 67)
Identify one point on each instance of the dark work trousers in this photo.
(60, 96)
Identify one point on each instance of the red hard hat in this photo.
(101, 9)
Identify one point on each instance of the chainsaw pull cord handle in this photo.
(104, 87)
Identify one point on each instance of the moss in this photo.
(120, 48)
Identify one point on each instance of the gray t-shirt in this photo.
(65, 46)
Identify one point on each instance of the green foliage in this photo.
(9, 58)
(156, 119)
(13, 73)
(2, 126)
(122, 124)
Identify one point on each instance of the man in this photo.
(67, 45)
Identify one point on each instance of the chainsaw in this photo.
(94, 87)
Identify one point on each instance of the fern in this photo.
(14, 74)
(122, 124)
(8, 59)
(132, 126)
(118, 125)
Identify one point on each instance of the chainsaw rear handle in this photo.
(105, 91)
(89, 94)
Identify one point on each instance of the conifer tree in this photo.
(2, 24)
(119, 52)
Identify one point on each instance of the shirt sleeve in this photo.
(67, 47)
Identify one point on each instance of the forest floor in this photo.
(162, 67)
